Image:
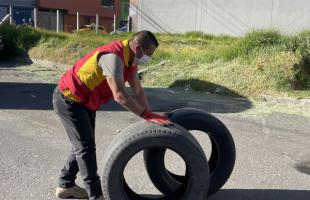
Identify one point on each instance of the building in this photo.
(123, 19)
(22, 10)
(229, 17)
(106, 9)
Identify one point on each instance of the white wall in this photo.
(231, 17)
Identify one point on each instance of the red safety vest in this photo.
(86, 83)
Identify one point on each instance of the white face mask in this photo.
(143, 60)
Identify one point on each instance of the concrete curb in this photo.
(50, 64)
(287, 100)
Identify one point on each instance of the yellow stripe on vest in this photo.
(90, 74)
(126, 52)
(67, 93)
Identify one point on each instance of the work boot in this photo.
(75, 192)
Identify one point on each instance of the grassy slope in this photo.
(263, 62)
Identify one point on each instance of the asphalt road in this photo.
(273, 154)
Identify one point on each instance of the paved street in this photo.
(273, 154)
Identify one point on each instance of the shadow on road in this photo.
(255, 194)
(38, 96)
(261, 194)
(12, 63)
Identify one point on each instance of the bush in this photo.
(1, 45)
(18, 40)
(300, 44)
(11, 45)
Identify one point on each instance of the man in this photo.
(94, 80)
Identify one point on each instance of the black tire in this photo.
(146, 135)
(221, 162)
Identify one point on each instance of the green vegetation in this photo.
(263, 62)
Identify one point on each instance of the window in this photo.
(125, 7)
(107, 3)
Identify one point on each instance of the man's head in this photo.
(143, 44)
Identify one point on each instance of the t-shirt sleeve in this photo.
(111, 65)
(133, 71)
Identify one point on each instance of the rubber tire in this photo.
(144, 135)
(221, 162)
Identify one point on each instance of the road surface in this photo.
(273, 154)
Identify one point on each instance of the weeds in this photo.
(261, 62)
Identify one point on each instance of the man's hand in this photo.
(154, 117)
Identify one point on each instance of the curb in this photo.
(287, 100)
(50, 64)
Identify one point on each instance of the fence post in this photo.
(11, 15)
(77, 22)
(35, 17)
(57, 21)
(97, 23)
(114, 23)
(129, 24)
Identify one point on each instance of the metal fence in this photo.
(54, 19)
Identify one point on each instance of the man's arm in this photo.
(112, 68)
(117, 86)
(138, 91)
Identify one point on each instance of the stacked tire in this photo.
(202, 178)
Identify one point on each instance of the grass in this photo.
(263, 62)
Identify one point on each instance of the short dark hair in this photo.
(145, 38)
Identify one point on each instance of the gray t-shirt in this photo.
(111, 65)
